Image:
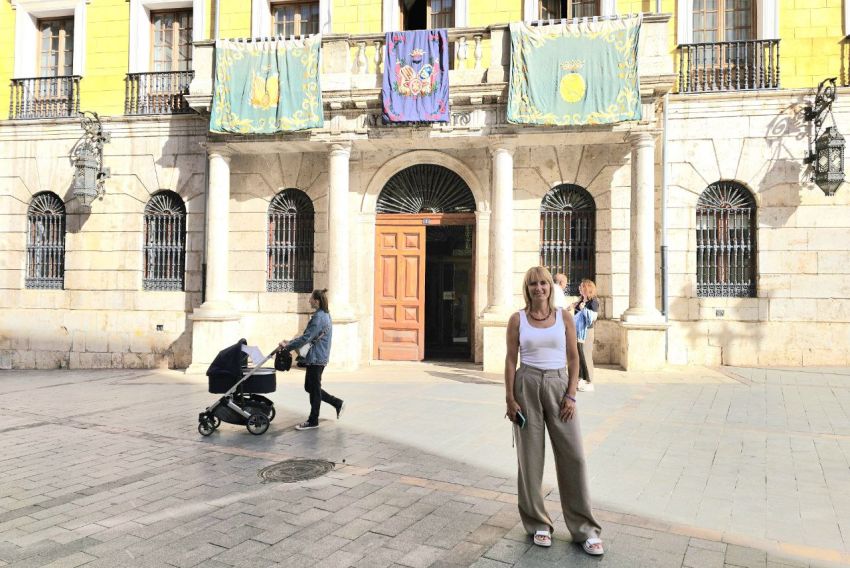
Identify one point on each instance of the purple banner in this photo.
(416, 77)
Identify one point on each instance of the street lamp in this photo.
(89, 173)
(828, 155)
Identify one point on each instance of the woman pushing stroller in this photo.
(318, 333)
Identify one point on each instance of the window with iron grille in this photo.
(46, 242)
(568, 234)
(290, 243)
(726, 241)
(165, 242)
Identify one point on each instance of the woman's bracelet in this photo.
(572, 398)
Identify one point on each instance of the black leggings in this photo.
(313, 386)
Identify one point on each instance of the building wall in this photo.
(102, 317)
(801, 315)
(7, 55)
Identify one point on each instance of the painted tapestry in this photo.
(416, 77)
(265, 87)
(574, 72)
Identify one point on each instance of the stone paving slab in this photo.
(690, 467)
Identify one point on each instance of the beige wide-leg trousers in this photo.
(539, 394)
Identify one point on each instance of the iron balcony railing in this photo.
(157, 93)
(729, 66)
(45, 97)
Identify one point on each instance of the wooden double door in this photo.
(423, 286)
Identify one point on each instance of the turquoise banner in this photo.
(575, 72)
(265, 87)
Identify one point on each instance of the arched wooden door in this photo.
(413, 200)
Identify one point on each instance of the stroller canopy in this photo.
(229, 361)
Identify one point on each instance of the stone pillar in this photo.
(500, 283)
(215, 324)
(642, 341)
(339, 238)
(345, 353)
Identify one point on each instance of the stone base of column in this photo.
(209, 336)
(494, 327)
(345, 345)
(649, 316)
(642, 346)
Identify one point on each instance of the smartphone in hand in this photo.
(519, 420)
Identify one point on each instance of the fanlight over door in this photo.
(426, 188)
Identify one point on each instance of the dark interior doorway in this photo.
(448, 292)
(414, 14)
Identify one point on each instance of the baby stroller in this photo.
(241, 404)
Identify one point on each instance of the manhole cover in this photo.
(291, 471)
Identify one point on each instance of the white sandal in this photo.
(593, 546)
(543, 538)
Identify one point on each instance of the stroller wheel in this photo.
(258, 424)
(205, 428)
(271, 413)
(215, 421)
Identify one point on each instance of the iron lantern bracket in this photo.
(817, 113)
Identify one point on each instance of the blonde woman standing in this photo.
(543, 393)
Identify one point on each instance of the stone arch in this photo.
(416, 157)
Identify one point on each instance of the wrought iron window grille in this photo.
(426, 188)
(165, 242)
(290, 242)
(726, 241)
(46, 242)
(568, 234)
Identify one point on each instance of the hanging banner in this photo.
(269, 86)
(575, 72)
(416, 77)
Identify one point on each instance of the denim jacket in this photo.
(321, 350)
(583, 318)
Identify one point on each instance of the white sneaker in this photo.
(585, 386)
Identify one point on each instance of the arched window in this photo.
(165, 242)
(290, 243)
(568, 234)
(46, 242)
(726, 241)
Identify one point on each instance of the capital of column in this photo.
(502, 148)
(340, 149)
(222, 152)
(641, 139)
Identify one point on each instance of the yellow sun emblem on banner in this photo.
(572, 86)
(265, 93)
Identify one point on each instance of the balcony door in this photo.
(56, 47)
(295, 19)
(426, 14)
(723, 20)
(171, 39)
(557, 9)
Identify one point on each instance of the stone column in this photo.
(501, 230)
(339, 237)
(501, 259)
(642, 328)
(642, 223)
(215, 324)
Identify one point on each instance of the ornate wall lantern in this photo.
(89, 173)
(828, 155)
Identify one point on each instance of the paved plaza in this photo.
(690, 467)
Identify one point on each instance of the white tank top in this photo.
(544, 348)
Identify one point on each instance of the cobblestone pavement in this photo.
(690, 467)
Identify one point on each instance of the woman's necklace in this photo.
(540, 319)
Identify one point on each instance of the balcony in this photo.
(158, 93)
(45, 97)
(352, 70)
(729, 66)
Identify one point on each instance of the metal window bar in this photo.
(725, 250)
(161, 92)
(567, 245)
(165, 249)
(45, 97)
(729, 66)
(46, 251)
(290, 250)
